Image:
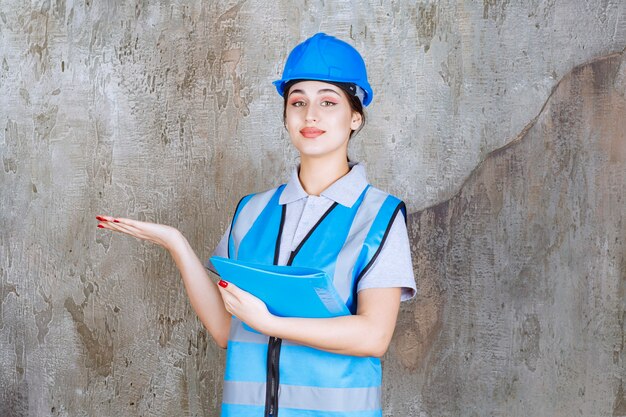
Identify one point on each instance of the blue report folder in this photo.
(288, 291)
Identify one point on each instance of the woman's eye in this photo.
(328, 103)
(298, 103)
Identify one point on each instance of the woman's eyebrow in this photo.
(327, 90)
(296, 91)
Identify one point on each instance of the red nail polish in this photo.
(101, 218)
(223, 284)
(101, 226)
(115, 221)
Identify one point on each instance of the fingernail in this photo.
(101, 218)
(115, 221)
(223, 284)
(101, 226)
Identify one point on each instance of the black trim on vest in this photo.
(403, 208)
(232, 223)
(280, 234)
(400, 206)
(274, 344)
(295, 252)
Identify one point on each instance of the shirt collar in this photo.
(345, 191)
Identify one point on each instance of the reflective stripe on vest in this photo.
(308, 398)
(344, 243)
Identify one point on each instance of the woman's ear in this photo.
(357, 119)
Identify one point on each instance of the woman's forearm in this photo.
(368, 333)
(348, 335)
(203, 294)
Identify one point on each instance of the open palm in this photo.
(160, 234)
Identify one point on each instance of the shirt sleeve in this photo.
(393, 266)
(220, 250)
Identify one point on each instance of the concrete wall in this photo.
(500, 123)
(523, 271)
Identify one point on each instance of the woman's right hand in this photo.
(160, 234)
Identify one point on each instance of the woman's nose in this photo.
(311, 114)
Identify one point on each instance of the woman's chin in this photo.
(313, 149)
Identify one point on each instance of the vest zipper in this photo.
(272, 383)
(274, 343)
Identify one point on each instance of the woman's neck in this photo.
(317, 174)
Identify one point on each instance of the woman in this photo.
(328, 217)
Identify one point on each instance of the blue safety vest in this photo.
(266, 376)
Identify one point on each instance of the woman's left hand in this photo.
(245, 306)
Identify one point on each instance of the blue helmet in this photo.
(326, 58)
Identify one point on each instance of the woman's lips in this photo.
(311, 132)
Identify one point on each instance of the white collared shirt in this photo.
(392, 267)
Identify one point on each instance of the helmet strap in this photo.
(353, 89)
(360, 93)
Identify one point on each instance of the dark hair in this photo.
(354, 101)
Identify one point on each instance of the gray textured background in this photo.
(501, 123)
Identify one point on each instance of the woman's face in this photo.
(319, 119)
